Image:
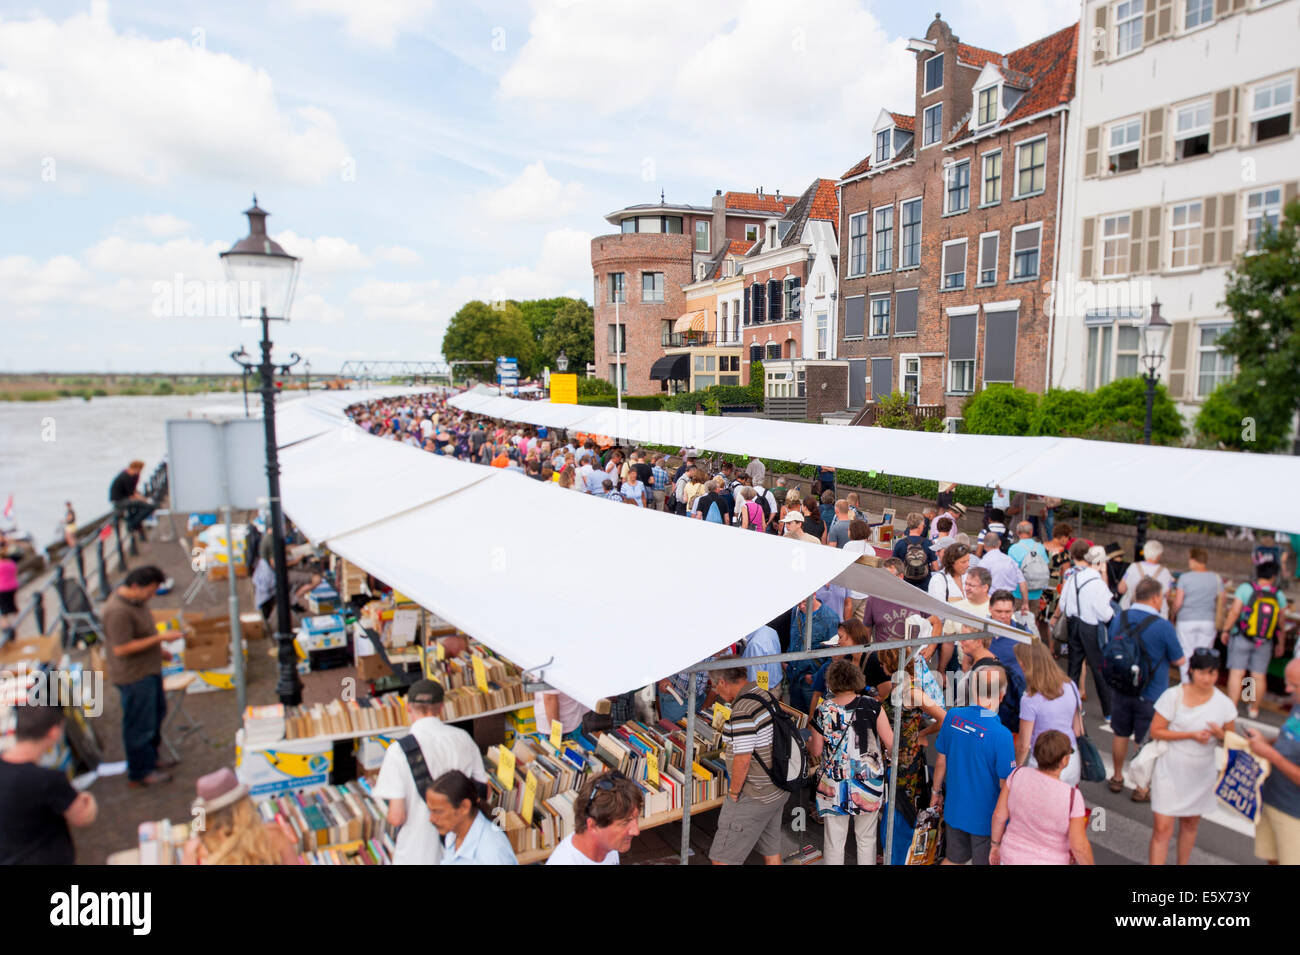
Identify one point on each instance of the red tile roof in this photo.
(906, 123)
(976, 56)
(858, 169)
(752, 202)
(739, 246)
(825, 204)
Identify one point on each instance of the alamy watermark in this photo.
(62, 688)
(205, 298)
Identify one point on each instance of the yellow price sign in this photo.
(557, 733)
(530, 796)
(480, 674)
(761, 679)
(652, 769)
(720, 715)
(506, 768)
(440, 650)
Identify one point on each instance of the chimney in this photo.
(717, 192)
(778, 195)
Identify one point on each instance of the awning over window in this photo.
(697, 321)
(671, 368)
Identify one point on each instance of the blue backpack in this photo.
(714, 516)
(1125, 665)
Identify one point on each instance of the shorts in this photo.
(1131, 716)
(961, 847)
(299, 578)
(1245, 654)
(1277, 836)
(8, 604)
(744, 826)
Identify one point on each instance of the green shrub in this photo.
(588, 387)
(1061, 412)
(1224, 421)
(999, 409)
(164, 388)
(1119, 409)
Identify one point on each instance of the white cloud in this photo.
(375, 21)
(325, 254)
(162, 225)
(1006, 25)
(76, 96)
(534, 195)
(398, 255)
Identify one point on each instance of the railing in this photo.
(74, 558)
(696, 339)
(919, 413)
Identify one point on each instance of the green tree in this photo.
(1263, 293)
(479, 332)
(1119, 409)
(591, 387)
(1061, 413)
(572, 329)
(1224, 422)
(999, 409)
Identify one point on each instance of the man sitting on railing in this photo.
(132, 506)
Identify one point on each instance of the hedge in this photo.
(632, 402)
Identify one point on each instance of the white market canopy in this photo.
(1251, 490)
(549, 578)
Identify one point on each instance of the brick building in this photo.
(947, 228)
(640, 271)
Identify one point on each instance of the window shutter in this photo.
(882, 377)
(954, 260)
(1099, 36)
(1209, 234)
(1222, 7)
(1135, 242)
(1289, 193)
(1149, 23)
(1178, 361)
(855, 310)
(1089, 238)
(905, 312)
(1223, 130)
(988, 256)
(1164, 18)
(961, 337)
(1227, 215)
(1000, 346)
(1238, 5)
(1153, 238)
(1091, 151)
(1153, 138)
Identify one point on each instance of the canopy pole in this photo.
(689, 771)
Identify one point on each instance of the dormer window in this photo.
(988, 106)
(934, 73)
(771, 235)
(884, 140)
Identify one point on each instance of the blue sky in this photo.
(415, 153)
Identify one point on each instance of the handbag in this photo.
(1143, 766)
(1091, 768)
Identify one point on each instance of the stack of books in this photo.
(463, 697)
(324, 820)
(264, 724)
(338, 717)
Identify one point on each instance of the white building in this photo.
(1184, 143)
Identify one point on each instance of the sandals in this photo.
(1116, 785)
(1141, 795)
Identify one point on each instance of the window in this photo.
(1213, 366)
(821, 283)
(854, 317)
(704, 381)
(823, 331)
(1031, 167)
(1270, 110)
(909, 248)
(883, 139)
(1114, 245)
(723, 322)
(880, 317)
(958, 192)
(1263, 211)
(617, 291)
(755, 352)
(1123, 143)
(858, 244)
(988, 264)
(751, 233)
(884, 238)
(618, 376)
(988, 106)
(992, 192)
(1197, 12)
(1000, 327)
(905, 311)
(933, 125)
(701, 236)
(934, 73)
(773, 351)
(666, 334)
(790, 298)
(706, 363)
(671, 224)
(1192, 130)
(617, 345)
(774, 313)
(912, 378)
(954, 265)
(1128, 26)
(1025, 241)
(757, 302)
(961, 376)
(1128, 342)
(652, 286)
(1185, 236)
(1099, 345)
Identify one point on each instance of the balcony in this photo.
(919, 413)
(698, 340)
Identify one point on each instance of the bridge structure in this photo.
(414, 372)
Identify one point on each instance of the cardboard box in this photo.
(372, 667)
(31, 650)
(252, 626)
(291, 764)
(210, 656)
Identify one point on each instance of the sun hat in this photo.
(218, 790)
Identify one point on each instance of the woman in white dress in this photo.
(1188, 718)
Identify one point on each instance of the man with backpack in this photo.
(1031, 557)
(1251, 632)
(712, 505)
(915, 552)
(1085, 604)
(1135, 667)
(762, 751)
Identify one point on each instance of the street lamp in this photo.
(306, 367)
(1154, 333)
(562, 362)
(265, 276)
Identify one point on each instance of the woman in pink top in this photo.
(8, 588)
(1040, 820)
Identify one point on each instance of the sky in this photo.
(416, 154)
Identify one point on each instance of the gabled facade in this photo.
(1188, 145)
(948, 225)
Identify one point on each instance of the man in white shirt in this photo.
(1085, 602)
(1148, 566)
(442, 748)
(1006, 572)
(550, 705)
(606, 818)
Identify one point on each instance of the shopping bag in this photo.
(927, 838)
(1143, 765)
(1091, 768)
(1240, 778)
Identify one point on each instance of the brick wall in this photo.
(834, 397)
(787, 334)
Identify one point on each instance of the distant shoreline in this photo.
(56, 386)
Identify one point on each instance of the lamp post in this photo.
(258, 264)
(246, 372)
(1155, 332)
(306, 368)
(562, 362)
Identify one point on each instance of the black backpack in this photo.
(915, 566)
(789, 769)
(1125, 666)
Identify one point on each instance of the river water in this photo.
(71, 449)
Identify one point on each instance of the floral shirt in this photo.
(852, 783)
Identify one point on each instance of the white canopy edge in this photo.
(1222, 486)
(553, 579)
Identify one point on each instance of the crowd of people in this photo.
(990, 728)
